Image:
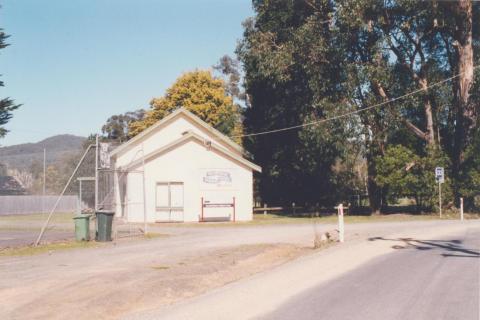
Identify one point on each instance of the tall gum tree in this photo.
(289, 63)
(463, 63)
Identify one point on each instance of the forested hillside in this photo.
(22, 156)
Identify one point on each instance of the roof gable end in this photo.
(218, 136)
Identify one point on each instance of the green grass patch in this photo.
(275, 219)
(269, 219)
(398, 217)
(51, 247)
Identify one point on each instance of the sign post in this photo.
(440, 178)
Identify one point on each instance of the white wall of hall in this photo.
(187, 163)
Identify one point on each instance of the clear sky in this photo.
(74, 63)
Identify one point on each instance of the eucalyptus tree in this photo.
(403, 70)
(289, 61)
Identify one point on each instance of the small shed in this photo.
(182, 170)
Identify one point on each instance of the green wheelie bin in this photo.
(82, 227)
(104, 226)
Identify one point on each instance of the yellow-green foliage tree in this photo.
(202, 94)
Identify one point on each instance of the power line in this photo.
(312, 123)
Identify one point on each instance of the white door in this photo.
(176, 201)
(162, 202)
(169, 201)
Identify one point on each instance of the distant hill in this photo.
(21, 156)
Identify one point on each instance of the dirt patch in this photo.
(107, 294)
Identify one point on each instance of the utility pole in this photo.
(96, 173)
(44, 178)
(44, 169)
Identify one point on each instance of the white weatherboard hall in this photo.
(190, 172)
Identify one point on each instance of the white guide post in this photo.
(461, 209)
(341, 227)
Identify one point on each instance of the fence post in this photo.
(264, 209)
(79, 206)
(461, 209)
(341, 229)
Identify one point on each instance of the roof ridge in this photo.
(173, 114)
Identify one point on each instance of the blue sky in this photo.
(74, 63)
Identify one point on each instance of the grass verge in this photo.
(31, 250)
(269, 219)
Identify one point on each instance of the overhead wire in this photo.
(316, 122)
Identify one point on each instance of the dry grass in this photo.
(268, 219)
(161, 267)
(155, 235)
(271, 218)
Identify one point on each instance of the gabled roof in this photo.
(174, 114)
(193, 136)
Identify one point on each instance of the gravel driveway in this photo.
(130, 276)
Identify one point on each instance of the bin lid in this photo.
(105, 212)
(82, 216)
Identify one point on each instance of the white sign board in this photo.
(217, 179)
(104, 156)
(439, 175)
(218, 185)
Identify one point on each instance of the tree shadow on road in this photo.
(453, 248)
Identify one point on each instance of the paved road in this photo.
(285, 290)
(423, 279)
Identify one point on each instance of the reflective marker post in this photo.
(461, 209)
(341, 227)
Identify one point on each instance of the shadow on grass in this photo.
(450, 248)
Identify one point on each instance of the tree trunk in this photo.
(465, 115)
(430, 131)
(374, 190)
